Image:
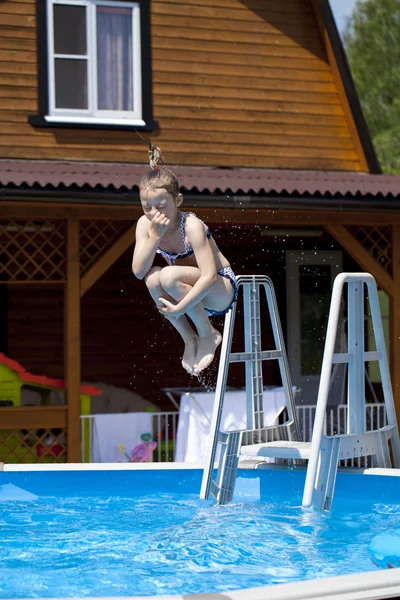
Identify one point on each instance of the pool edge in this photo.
(374, 585)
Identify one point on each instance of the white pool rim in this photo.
(373, 585)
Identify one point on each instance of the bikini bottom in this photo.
(229, 274)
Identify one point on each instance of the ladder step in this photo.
(261, 355)
(279, 449)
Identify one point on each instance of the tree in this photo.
(372, 42)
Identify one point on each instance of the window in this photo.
(94, 61)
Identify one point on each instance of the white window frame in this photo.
(93, 115)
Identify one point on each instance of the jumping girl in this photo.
(198, 281)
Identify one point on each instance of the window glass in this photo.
(69, 29)
(114, 58)
(71, 83)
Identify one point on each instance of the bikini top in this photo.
(173, 256)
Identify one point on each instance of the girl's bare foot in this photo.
(207, 347)
(189, 355)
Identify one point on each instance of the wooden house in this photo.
(253, 105)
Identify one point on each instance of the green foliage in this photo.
(387, 146)
(372, 42)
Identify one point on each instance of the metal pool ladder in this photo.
(256, 433)
(324, 452)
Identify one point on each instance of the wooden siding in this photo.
(244, 84)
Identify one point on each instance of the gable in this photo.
(246, 83)
(252, 82)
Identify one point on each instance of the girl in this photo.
(198, 280)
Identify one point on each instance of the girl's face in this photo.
(158, 200)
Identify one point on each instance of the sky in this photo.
(341, 10)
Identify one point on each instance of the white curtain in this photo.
(114, 58)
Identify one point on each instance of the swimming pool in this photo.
(144, 532)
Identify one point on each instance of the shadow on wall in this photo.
(295, 20)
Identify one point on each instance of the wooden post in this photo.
(394, 302)
(72, 341)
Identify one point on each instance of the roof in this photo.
(115, 178)
(42, 380)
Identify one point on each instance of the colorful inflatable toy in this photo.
(384, 549)
(140, 453)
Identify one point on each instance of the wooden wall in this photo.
(241, 83)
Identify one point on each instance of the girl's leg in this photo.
(153, 284)
(177, 282)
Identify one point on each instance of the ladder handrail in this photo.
(218, 404)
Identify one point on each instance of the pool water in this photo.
(144, 533)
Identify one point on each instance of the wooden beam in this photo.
(262, 216)
(72, 342)
(299, 218)
(65, 210)
(394, 320)
(33, 417)
(109, 258)
(358, 252)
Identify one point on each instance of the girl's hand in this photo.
(159, 224)
(169, 309)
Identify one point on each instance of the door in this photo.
(309, 280)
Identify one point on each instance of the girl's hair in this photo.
(159, 176)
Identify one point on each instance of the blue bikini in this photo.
(172, 257)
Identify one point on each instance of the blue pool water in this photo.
(98, 533)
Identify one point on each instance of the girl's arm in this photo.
(205, 262)
(147, 241)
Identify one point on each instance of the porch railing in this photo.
(164, 432)
(165, 426)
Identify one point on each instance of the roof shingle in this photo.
(124, 176)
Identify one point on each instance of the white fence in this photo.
(165, 426)
(164, 432)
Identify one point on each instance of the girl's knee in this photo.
(152, 279)
(168, 277)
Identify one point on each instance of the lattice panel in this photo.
(32, 250)
(96, 237)
(33, 446)
(377, 241)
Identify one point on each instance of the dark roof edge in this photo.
(231, 201)
(349, 87)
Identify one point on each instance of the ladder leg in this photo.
(326, 474)
(282, 361)
(384, 370)
(254, 378)
(383, 454)
(333, 467)
(227, 470)
(218, 402)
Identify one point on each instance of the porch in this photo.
(83, 314)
